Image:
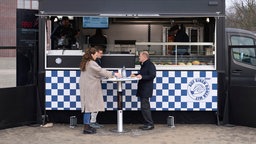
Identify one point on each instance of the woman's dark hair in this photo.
(87, 57)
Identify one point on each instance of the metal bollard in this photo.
(170, 121)
(73, 122)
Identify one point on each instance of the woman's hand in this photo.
(117, 75)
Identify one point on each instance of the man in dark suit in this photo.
(99, 56)
(146, 75)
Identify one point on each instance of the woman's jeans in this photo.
(87, 117)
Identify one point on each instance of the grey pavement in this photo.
(7, 72)
(181, 134)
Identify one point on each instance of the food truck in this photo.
(192, 86)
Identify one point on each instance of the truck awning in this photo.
(133, 8)
(133, 15)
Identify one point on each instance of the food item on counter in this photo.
(196, 62)
(202, 63)
(181, 63)
(209, 63)
(133, 75)
(156, 63)
(189, 63)
(165, 63)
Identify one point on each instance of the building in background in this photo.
(8, 19)
(8, 39)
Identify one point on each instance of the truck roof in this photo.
(237, 30)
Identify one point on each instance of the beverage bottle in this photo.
(123, 72)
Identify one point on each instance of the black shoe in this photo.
(147, 127)
(141, 127)
(89, 130)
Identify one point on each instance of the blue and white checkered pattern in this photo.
(173, 91)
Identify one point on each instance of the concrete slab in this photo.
(7, 72)
(181, 134)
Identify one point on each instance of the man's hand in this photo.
(139, 76)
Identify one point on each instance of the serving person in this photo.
(90, 87)
(63, 36)
(180, 36)
(98, 40)
(146, 75)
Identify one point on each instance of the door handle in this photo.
(236, 71)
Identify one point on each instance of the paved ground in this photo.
(7, 72)
(181, 134)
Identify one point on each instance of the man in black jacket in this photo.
(63, 36)
(146, 75)
(98, 40)
(180, 36)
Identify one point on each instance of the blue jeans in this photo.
(87, 117)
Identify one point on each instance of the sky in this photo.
(229, 2)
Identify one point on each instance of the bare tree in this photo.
(242, 14)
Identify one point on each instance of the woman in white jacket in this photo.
(90, 87)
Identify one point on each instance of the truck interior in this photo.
(153, 34)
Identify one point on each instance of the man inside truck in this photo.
(180, 36)
(63, 35)
(98, 40)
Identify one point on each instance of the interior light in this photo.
(56, 19)
(207, 20)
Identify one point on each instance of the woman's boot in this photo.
(88, 129)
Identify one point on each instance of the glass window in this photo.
(245, 55)
(27, 4)
(240, 40)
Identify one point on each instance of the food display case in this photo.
(201, 59)
(63, 59)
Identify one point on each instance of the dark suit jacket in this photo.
(98, 61)
(145, 85)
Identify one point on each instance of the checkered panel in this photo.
(62, 90)
(173, 91)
